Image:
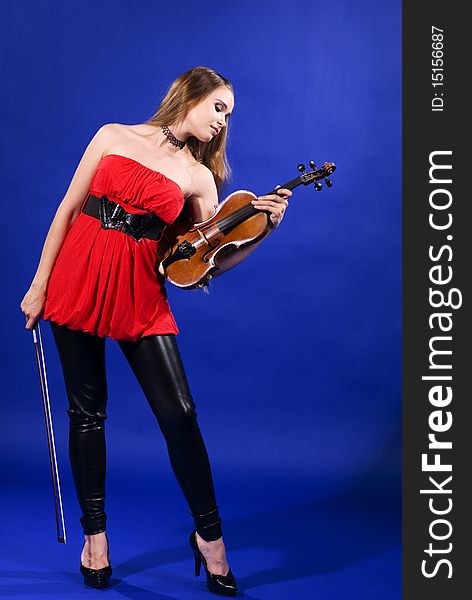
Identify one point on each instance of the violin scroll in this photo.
(317, 174)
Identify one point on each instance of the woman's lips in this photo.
(214, 129)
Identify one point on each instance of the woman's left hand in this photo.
(274, 203)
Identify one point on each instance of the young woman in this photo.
(97, 280)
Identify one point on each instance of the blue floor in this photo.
(285, 537)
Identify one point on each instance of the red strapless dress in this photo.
(104, 281)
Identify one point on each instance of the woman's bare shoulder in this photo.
(142, 128)
(130, 137)
(111, 133)
(131, 130)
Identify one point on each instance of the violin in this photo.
(188, 253)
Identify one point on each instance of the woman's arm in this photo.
(68, 210)
(230, 260)
(203, 204)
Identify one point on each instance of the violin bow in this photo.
(38, 345)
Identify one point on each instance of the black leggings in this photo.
(157, 365)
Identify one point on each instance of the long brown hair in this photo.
(183, 94)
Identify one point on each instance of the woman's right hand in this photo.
(33, 305)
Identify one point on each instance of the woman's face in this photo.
(206, 119)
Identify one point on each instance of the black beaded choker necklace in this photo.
(171, 137)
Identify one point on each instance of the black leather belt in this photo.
(114, 216)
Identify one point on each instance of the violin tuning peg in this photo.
(318, 186)
(301, 168)
(329, 183)
(312, 164)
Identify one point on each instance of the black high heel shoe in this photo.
(97, 578)
(218, 584)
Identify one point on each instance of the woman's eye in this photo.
(219, 109)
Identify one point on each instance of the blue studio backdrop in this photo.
(294, 357)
